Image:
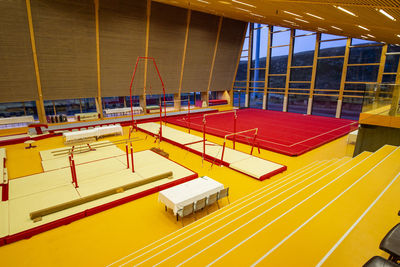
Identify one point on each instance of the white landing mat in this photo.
(170, 133)
(3, 219)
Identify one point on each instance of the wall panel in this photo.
(200, 50)
(229, 46)
(17, 79)
(166, 44)
(122, 34)
(66, 47)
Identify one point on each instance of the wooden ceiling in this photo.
(327, 16)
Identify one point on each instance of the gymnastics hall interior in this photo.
(109, 157)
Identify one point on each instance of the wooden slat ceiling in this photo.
(334, 21)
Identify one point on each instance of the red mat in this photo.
(283, 132)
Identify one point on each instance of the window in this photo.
(300, 74)
(356, 41)
(135, 101)
(365, 54)
(326, 36)
(88, 105)
(239, 98)
(67, 106)
(324, 106)
(303, 50)
(275, 101)
(351, 108)
(368, 73)
(332, 48)
(279, 60)
(329, 73)
(276, 81)
(298, 103)
(113, 102)
(391, 64)
(12, 109)
(256, 99)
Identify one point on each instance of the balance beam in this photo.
(37, 215)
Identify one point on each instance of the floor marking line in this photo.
(252, 218)
(232, 206)
(355, 224)
(319, 211)
(223, 218)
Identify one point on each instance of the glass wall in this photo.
(15, 109)
(69, 106)
(324, 68)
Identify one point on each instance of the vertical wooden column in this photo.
(214, 55)
(39, 102)
(249, 58)
(313, 74)
(99, 103)
(382, 64)
(238, 62)
(343, 80)
(142, 98)
(396, 94)
(189, 14)
(289, 65)
(268, 60)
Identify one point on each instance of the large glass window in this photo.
(239, 98)
(329, 73)
(300, 74)
(67, 106)
(279, 60)
(392, 63)
(12, 109)
(113, 102)
(365, 54)
(351, 108)
(135, 101)
(303, 50)
(275, 101)
(367, 73)
(332, 48)
(281, 37)
(256, 99)
(276, 81)
(298, 103)
(324, 106)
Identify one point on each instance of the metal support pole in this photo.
(133, 168)
(234, 129)
(204, 137)
(252, 145)
(160, 137)
(127, 155)
(189, 113)
(223, 151)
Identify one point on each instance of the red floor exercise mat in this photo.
(283, 132)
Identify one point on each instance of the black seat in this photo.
(391, 243)
(377, 261)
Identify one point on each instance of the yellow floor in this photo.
(103, 238)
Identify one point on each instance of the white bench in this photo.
(17, 120)
(123, 111)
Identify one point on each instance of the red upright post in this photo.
(76, 179)
(5, 192)
(127, 155)
(204, 136)
(189, 112)
(133, 168)
(160, 137)
(223, 151)
(234, 128)
(130, 91)
(252, 145)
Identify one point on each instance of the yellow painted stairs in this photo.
(327, 213)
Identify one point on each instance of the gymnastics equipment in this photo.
(187, 119)
(214, 114)
(130, 90)
(239, 133)
(37, 215)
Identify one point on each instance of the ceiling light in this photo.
(321, 29)
(386, 14)
(242, 3)
(398, 35)
(288, 21)
(205, 2)
(224, 2)
(245, 10)
(370, 35)
(315, 16)
(359, 26)
(345, 10)
(290, 13)
(364, 37)
(257, 15)
(337, 28)
(301, 20)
